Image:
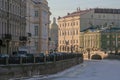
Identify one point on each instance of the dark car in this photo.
(40, 57)
(54, 56)
(4, 55)
(17, 57)
(30, 58)
(4, 58)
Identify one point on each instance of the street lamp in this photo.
(66, 43)
(7, 37)
(81, 49)
(110, 26)
(48, 36)
(0, 45)
(116, 44)
(88, 50)
(29, 41)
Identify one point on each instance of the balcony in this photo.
(29, 34)
(23, 38)
(7, 37)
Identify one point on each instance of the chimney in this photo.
(77, 9)
(59, 17)
(68, 13)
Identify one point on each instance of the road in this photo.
(89, 70)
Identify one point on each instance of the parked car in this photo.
(17, 56)
(3, 58)
(40, 57)
(4, 55)
(53, 56)
(30, 57)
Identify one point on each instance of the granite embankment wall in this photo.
(113, 57)
(28, 70)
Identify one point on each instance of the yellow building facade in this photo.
(90, 41)
(68, 34)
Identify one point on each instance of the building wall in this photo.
(68, 36)
(110, 41)
(12, 23)
(84, 19)
(90, 18)
(43, 21)
(106, 41)
(90, 40)
(30, 26)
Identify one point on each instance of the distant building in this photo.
(12, 25)
(110, 40)
(71, 25)
(68, 33)
(107, 40)
(54, 35)
(38, 25)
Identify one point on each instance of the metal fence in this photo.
(25, 60)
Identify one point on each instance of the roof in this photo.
(113, 29)
(92, 29)
(100, 29)
(76, 13)
(96, 10)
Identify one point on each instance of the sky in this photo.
(62, 7)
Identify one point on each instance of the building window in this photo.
(108, 36)
(113, 36)
(36, 13)
(108, 42)
(73, 23)
(60, 25)
(76, 41)
(91, 16)
(68, 32)
(77, 23)
(60, 33)
(63, 42)
(63, 24)
(36, 30)
(36, 45)
(76, 32)
(99, 16)
(68, 24)
(103, 16)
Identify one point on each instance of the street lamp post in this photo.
(81, 49)
(7, 36)
(48, 34)
(0, 45)
(66, 43)
(116, 44)
(88, 53)
(110, 26)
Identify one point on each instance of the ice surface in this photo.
(89, 70)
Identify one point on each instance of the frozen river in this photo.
(89, 70)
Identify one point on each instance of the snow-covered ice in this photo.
(89, 70)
